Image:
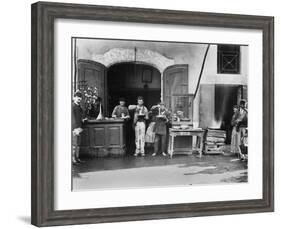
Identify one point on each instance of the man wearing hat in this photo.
(77, 119)
(120, 111)
(162, 118)
(140, 116)
(242, 122)
(242, 119)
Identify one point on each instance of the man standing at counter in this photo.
(77, 119)
(140, 115)
(121, 111)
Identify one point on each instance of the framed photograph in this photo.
(142, 114)
(147, 75)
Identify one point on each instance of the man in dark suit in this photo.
(77, 120)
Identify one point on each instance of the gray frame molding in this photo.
(43, 16)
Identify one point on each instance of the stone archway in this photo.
(119, 55)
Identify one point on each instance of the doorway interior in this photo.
(130, 80)
(226, 96)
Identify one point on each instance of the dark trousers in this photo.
(160, 140)
(76, 140)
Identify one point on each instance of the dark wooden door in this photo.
(175, 88)
(93, 74)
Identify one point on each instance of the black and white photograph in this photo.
(158, 113)
(149, 113)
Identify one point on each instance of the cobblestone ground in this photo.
(148, 171)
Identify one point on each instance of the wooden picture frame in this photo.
(146, 76)
(43, 17)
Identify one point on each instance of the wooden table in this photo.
(173, 133)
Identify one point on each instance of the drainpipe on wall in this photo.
(162, 84)
(198, 84)
(201, 71)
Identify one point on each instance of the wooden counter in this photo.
(102, 138)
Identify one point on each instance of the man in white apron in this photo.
(140, 116)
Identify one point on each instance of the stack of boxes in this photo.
(215, 141)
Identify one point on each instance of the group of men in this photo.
(157, 130)
(159, 116)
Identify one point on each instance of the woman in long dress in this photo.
(235, 134)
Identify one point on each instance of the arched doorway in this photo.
(130, 80)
